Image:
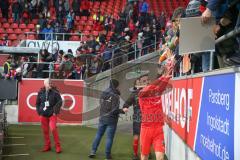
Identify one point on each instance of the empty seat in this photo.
(35, 21)
(2, 30)
(6, 25)
(31, 37)
(95, 33)
(31, 26)
(26, 30)
(75, 38)
(14, 25)
(84, 18)
(88, 28)
(9, 31)
(12, 37)
(22, 26)
(18, 31)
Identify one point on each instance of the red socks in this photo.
(135, 146)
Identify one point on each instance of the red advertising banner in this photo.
(181, 105)
(71, 92)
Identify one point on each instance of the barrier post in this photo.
(211, 60)
(135, 50)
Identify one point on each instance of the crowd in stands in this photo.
(133, 34)
(136, 31)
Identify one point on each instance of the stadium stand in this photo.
(81, 23)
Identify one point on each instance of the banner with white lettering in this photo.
(215, 135)
(181, 106)
(54, 45)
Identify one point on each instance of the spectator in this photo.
(107, 56)
(4, 5)
(66, 6)
(162, 20)
(85, 8)
(4, 42)
(46, 13)
(109, 111)
(60, 13)
(76, 7)
(47, 32)
(25, 14)
(143, 8)
(66, 67)
(58, 28)
(97, 17)
(107, 23)
(135, 12)
(70, 20)
(42, 22)
(92, 43)
(7, 67)
(33, 9)
(16, 10)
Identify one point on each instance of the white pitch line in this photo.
(13, 137)
(9, 145)
(15, 155)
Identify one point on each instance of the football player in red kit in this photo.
(152, 114)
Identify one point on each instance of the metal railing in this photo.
(53, 36)
(118, 56)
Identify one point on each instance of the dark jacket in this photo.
(109, 106)
(55, 102)
(133, 101)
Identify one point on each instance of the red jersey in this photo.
(151, 104)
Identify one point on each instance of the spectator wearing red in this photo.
(85, 8)
(132, 26)
(48, 106)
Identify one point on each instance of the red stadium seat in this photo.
(12, 37)
(90, 23)
(2, 30)
(22, 26)
(84, 18)
(31, 37)
(31, 26)
(18, 31)
(86, 33)
(81, 27)
(77, 18)
(10, 20)
(95, 33)
(88, 28)
(6, 25)
(35, 21)
(14, 25)
(9, 31)
(26, 30)
(75, 38)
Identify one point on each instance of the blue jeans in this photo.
(205, 61)
(111, 129)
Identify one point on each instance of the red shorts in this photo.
(152, 136)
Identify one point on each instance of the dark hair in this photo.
(178, 11)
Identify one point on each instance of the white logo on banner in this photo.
(63, 98)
